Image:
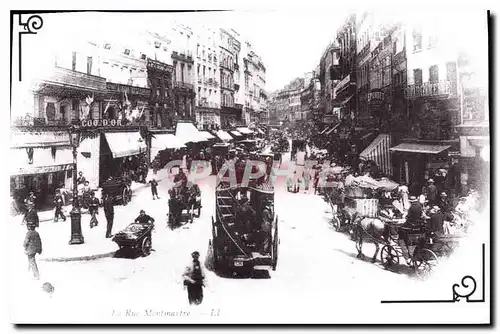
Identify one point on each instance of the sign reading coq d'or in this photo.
(101, 122)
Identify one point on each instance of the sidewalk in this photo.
(56, 235)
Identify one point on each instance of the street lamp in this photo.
(76, 214)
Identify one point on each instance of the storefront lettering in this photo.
(102, 122)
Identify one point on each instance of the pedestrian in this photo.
(422, 198)
(81, 179)
(143, 218)
(403, 194)
(194, 280)
(93, 209)
(32, 246)
(432, 193)
(86, 195)
(30, 200)
(444, 203)
(58, 201)
(154, 188)
(109, 213)
(307, 180)
(31, 217)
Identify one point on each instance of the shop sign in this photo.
(101, 122)
(454, 154)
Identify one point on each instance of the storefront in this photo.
(121, 152)
(416, 162)
(164, 147)
(40, 161)
(474, 156)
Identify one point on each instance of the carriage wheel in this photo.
(389, 256)
(146, 246)
(125, 196)
(424, 262)
(336, 223)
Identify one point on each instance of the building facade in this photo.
(183, 75)
(207, 83)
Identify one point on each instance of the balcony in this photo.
(183, 85)
(130, 90)
(429, 89)
(210, 81)
(76, 79)
(182, 56)
(364, 51)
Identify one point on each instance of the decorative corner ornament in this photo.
(466, 290)
(31, 26)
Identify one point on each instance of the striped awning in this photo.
(379, 151)
(236, 133)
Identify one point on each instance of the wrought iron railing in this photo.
(428, 89)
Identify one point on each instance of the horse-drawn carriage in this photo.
(245, 229)
(184, 201)
(118, 188)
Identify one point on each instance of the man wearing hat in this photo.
(32, 246)
(444, 203)
(194, 280)
(432, 192)
(143, 218)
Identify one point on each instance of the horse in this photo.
(377, 230)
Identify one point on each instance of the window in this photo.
(89, 65)
(73, 62)
(451, 75)
(126, 52)
(434, 74)
(417, 41)
(143, 56)
(433, 39)
(157, 44)
(198, 70)
(107, 46)
(204, 68)
(182, 72)
(417, 76)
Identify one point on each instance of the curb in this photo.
(79, 258)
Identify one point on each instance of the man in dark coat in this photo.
(109, 212)
(181, 177)
(414, 212)
(32, 246)
(81, 179)
(31, 217)
(154, 188)
(444, 203)
(143, 218)
(432, 193)
(58, 202)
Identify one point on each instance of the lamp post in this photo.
(76, 214)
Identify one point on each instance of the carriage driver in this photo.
(413, 219)
(143, 218)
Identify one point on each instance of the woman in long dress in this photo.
(403, 192)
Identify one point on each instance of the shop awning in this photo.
(123, 144)
(207, 134)
(245, 131)
(188, 133)
(260, 131)
(420, 148)
(39, 138)
(223, 135)
(236, 133)
(479, 142)
(39, 160)
(378, 151)
(163, 141)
